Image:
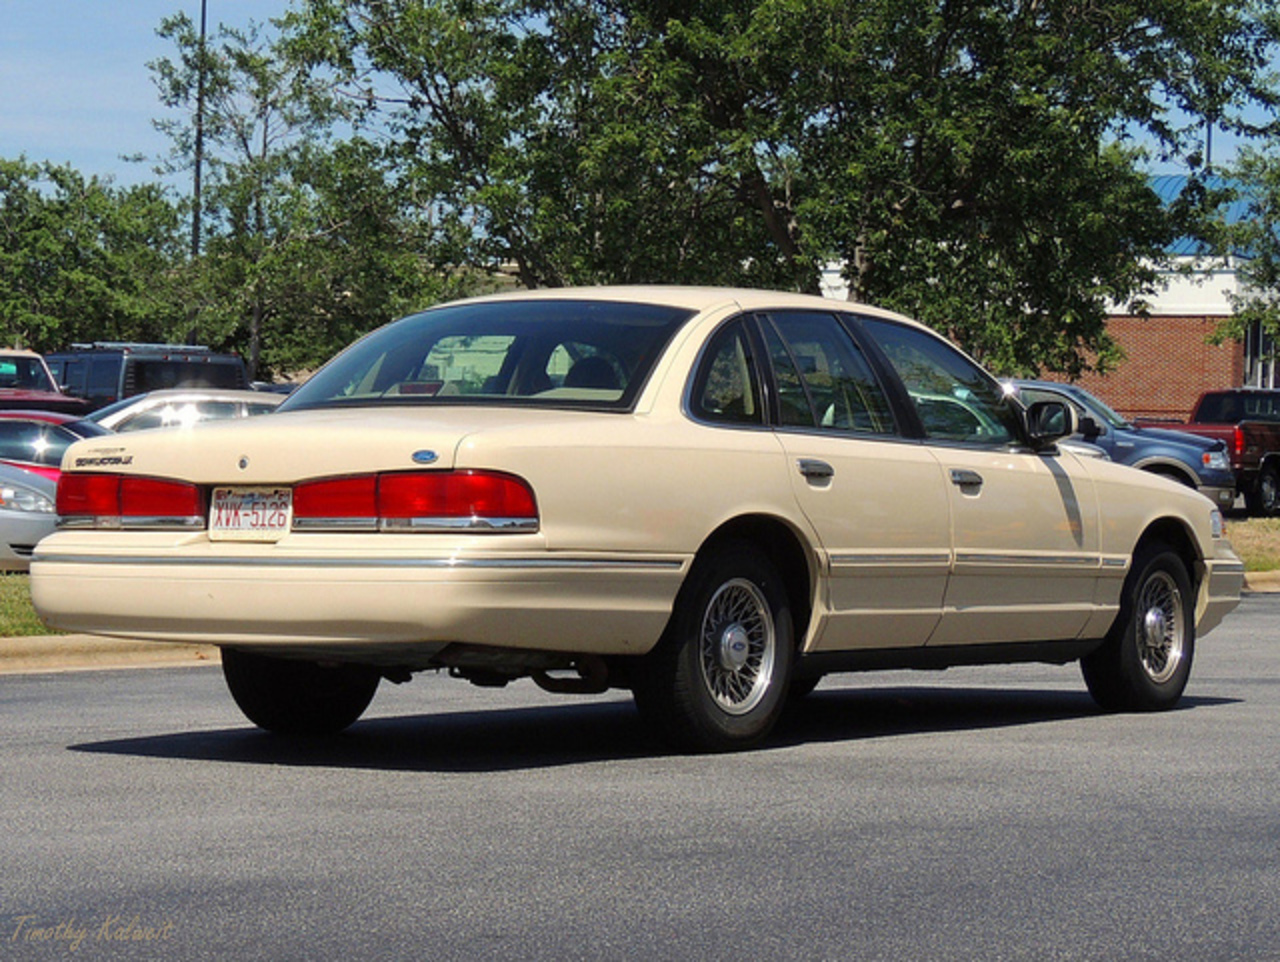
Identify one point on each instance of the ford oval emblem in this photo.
(425, 457)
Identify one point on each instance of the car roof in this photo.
(699, 299)
(52, 417)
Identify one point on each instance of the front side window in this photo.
(556, 353)
(955, 399)
(822, 378)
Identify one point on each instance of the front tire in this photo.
(1146, 659)
(718, 679)
(298, 697)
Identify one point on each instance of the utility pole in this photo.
(195, 193)
(195, 189)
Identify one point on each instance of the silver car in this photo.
(26, 515)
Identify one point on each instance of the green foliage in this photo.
(17, 617)
(952, 156)
(306, 242)
(80, 259)
(1254, 242)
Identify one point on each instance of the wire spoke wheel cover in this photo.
(1145, 660)
(737, 646)
(1161, 628)
(717, 681)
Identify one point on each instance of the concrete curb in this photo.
(1262, 581)
(38, 653)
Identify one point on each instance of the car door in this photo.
(877, 500)
(1024, 523)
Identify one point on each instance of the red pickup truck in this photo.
(1248, 420)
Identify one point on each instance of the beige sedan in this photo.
(709, 497)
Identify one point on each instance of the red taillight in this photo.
(401, 501)
(111, 500)
(416, 501)
(337, 498)
(88, 495)
(454, 494)
(153, 498)
(1237, 441)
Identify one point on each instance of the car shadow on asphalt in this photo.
(574, 734)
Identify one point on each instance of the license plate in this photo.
(250, 514)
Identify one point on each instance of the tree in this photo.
(1252, 242)
(82, 260)
(307, 245)
(970, 162)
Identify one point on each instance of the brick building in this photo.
(1168, 359)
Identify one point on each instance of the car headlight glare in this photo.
(17, 498)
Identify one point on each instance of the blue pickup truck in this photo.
(1198, 462)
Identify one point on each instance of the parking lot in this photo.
(986, 813)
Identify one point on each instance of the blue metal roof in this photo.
(1168, 187)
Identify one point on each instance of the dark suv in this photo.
(106, 371)
(1197, 462)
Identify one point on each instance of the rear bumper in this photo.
(381, 610)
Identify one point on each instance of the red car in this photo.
(27, 384)
(36, 440)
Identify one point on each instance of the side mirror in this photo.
(1047, 421)
(1090, 428)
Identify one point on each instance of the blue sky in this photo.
(74, 83)
(75, 87)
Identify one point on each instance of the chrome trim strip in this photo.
(192, 522)
(448, 525)
(879, 560)
(417, 525)
(544, 564)
(335, 524)
(1062, 560)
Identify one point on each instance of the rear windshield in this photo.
(562, 353)
(149, 375)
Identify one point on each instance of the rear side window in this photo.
(727, 389)
(822, 378)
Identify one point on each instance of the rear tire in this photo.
(1264, 499)
(298, 697)
(1146, 659)
(718, 679)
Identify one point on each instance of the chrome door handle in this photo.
(964, 478)
(815, 470)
